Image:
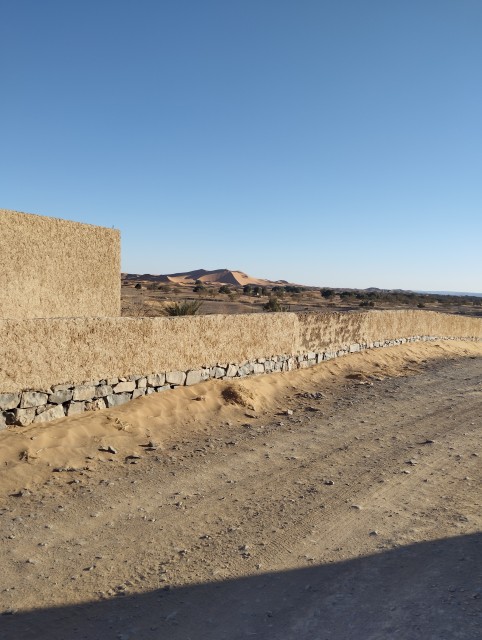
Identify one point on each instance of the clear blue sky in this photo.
(323, 142)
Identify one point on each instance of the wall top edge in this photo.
(44, 218)
(285, 314)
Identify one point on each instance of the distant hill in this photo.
(217, 276)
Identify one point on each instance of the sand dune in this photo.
(217, 276)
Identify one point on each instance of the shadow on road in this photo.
(429, 591)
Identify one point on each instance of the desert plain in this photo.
(340, 502)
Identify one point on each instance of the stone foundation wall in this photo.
(23, 408)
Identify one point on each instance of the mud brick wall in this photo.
(51, 268)
(54, 367)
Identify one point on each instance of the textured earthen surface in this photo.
(322, 331)
(39, 353)
(57, 268)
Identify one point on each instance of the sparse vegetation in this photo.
(183, 308)
(327, 294)
(250, 298)
(274, 305)
(224, 289)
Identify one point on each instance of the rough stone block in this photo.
(245, 370)
(137, 393)
(165, 387)
(156, 380)
(103, 390)
(33, 399)
(3, 420)
(9, 401)
(83, 392)
(112, 381)
(74, 408)
(258, 368)
(194, 376)
(116, 399)
(142, 383)
(231, 371)
(43, 408)
(60, 396)
(54, 413)
(61, 387)
(23, 417)
(176, 377)
(124, 387)
(95, 405)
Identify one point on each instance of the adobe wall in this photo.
(56, 268)
(325, 331)
(54, 367)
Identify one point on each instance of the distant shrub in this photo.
(274, 305)
(183, 308)
(367, 303)
(224, 289)
(279, 291)
(421, 305)
(138, 286)
(345, 295)
(327, 293)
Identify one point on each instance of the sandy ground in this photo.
(340, 502)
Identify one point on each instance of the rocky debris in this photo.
(108, 448)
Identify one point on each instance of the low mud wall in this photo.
(319, 331)
(61, 366)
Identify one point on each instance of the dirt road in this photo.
(348, 507)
